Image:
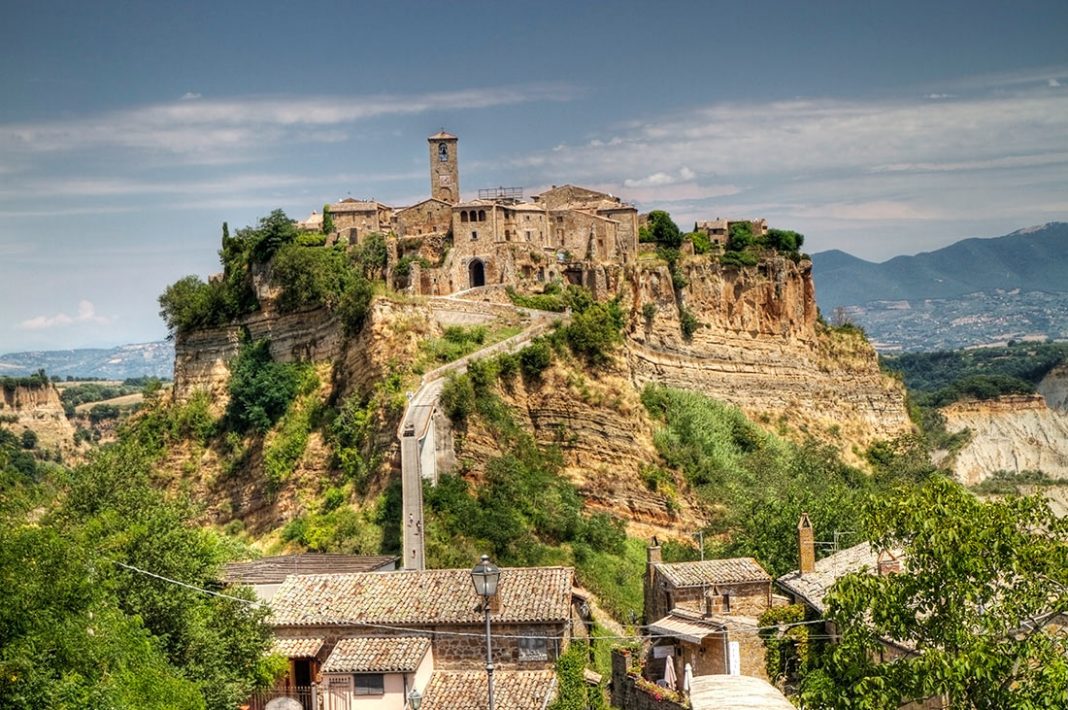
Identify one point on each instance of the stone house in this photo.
(706, 614)
(367, 639)
(719, 229)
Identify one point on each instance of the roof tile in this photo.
(446, 596)
(512, 690)
(391, 654)
(729, 571)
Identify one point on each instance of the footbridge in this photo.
(425, 433)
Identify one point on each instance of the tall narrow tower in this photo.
(444, 167)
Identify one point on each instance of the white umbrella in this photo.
(670, 679)
(687, 678)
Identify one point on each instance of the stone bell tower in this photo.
(444, 167)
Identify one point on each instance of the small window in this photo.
(463, 216)
(443, 152)
(474, 236)
(482, 215)
(533, 649)
(726, 603)
(369, 684)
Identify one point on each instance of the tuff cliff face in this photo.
(760, 347)
(40, 410)
(1014, 433)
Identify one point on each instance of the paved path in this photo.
(418, 419)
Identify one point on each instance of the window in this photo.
(369, 684)
(443, 152)
(482, 215)
(463, 216)
(474, 236)
(533, 649)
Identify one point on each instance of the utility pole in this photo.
(700, 535)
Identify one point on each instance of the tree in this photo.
(740, 236)
(29, 439)
(663, 230)
(328, 220)
(978, 598)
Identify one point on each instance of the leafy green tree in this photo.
(260, 388)
(663, 230)
(311, 277)
(274, 232)
(979, 584)
(29, 439)
(740, 236)
(328, 220)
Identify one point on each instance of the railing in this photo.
(304, 694)
(501, 193)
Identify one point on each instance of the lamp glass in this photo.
(414, 699)
(485, 576)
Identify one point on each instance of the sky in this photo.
(130, 131)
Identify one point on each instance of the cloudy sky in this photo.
(129, 131)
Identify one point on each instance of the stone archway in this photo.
(476, 271)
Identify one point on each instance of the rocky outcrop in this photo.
(759, 346)
(39, 409)
(1054, 388)
(1012, 433)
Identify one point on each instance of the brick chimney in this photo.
(652, 556)
(651, 607)
(806, 545)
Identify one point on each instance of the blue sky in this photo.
(129, 131)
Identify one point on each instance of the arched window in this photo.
(482, 215)
(463, 216)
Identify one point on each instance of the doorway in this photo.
(477, 272)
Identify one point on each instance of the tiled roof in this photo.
(441, 136)
(730, 571)
(692, 630)
(347, 205)
(388, 654)
(427, 597)
(297, 647)
(813, 586)
(512, 690)
(272, 570)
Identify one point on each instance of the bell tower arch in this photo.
(444, 167)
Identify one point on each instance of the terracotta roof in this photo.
(427, 597)
(442, 136)
(389, 654)
(512, 690)
(813, 586)
(729, 571)
(350, 205)
(273, 570)
(735, 692)
(297, 647)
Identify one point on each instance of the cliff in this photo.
(760, 347)
(1014, 433)
(37, 408)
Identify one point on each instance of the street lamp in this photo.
(415, 699)
(485, 576)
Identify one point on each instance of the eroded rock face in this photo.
(40, 410)
(759, 346)
(1012, 433)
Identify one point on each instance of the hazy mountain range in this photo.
(973, 292)
(152, 359)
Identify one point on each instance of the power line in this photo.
(387, 627)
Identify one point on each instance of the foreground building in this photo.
(366, 640)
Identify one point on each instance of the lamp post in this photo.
(415, 699)
(485, 576)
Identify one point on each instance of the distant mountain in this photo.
(1032, 259)
(152, 359)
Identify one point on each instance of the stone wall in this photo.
(626, 693)
(426, 217)
(745, 599)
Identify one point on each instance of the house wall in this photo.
(462, 652)
(751, 599)
(625, 692)
(427, 217)
(363, 222)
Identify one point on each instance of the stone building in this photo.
(375, 636)
(705, 614)
(719, 229)
(567, 233)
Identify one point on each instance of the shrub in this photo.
(458, 397)
(328, 220)
(535, 358)
(371, 256)
(649, 312)
(594, 332)
(354, 305)
(739, 259)
(701, 243)
(663, 230)
(311, 277)
(28, 440)
(688, 322)
(260, 389)
(740, 236)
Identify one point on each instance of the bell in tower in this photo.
(444, 168)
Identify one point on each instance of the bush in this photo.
(739, 259)
(688, 322)
(28, 440)
(649, 312)
(740, 236)
(354, 305)
(701, 243)
(535, 358)
(593, 333)
(311, 277)
(663, 230)
(457, 397)
(371, 256)
(260, 389)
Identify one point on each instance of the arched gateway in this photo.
(477, 272)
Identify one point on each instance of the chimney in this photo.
(652, 554)
(887, 564)
(806, 545)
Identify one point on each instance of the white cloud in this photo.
(204, 127)
(190, 96)
(86, 314)
(1053, 83)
